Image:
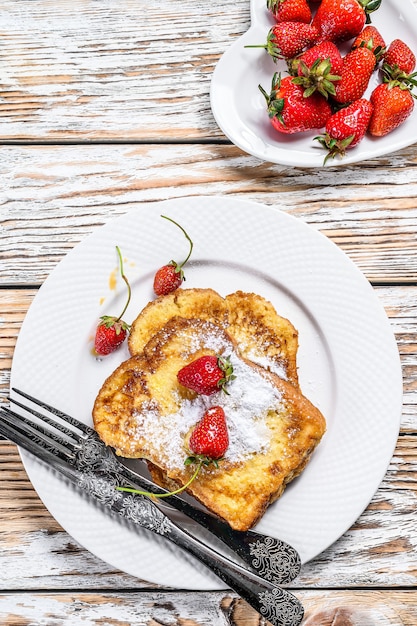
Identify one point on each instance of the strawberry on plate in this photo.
(346, 128)
(112, 331)
(400, 56)
(207, 374)
(287, 39)
(290, 111)
(341, 20)
(393, 103)
(317, 69)
(357, 69)
(209, 439)
(371, 38)
(171, 276)
(290, 10)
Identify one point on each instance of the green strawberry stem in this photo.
(169, 493)
(129, 290)
(179, 266)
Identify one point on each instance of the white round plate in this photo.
(348, 363)
(240, 109)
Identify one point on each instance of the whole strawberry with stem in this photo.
(341, 20)
(358, 66)
(290, 10)
(207, 374)
(209, 439)
(346, 128)
(287, 39)
(289, 111)
(112, 331)
(171, 276)
(208, 443)
(393, 103)
(317, 69)
(371, 38)
(399, 55)
(399, 63)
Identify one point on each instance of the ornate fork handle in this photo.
(271, 558)
(275, 604)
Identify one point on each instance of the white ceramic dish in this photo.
(348, 363)
(240, 109)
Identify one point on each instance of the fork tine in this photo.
(37, 434)
(51, 422)
(67, 418)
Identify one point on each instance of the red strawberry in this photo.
(317, 68)
(210, 438)
(400, 57)
(169, 277)
(370, 38)
(290, 112)
(287, 39)
(357, 69)
(346, 128)
(340, 20)
(393, 104)
(207, 374)
(110, 335)
(320, 51)
(290, 10)
(111, 331)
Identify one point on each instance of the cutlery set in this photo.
(74, 450)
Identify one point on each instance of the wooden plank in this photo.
(398, 301)
(53, 197)
(332, 608)
(383, 539)
(82, 70)
(77, 70)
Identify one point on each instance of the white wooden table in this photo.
(104, 106)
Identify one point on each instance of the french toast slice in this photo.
(143, 412)
(261, 334)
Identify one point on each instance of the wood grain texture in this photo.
(96, 70)
(52, 197)
(156, 608)
(383, 540)
(105, 106)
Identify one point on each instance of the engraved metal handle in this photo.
(271, 558)
(274, 603)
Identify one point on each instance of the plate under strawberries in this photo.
(240, 110)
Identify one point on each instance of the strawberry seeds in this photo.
(322, 82)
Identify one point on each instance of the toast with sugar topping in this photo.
(261, 334)
(143, 412)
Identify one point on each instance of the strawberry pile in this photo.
(325, 87)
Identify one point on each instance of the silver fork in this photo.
(79, 466)
(271, 558)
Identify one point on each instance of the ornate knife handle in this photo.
(277, 605)
(271, 558)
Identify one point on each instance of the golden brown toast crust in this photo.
(143, 412)
(261, 334)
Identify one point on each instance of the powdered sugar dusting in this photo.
(250, 397)
(268, 364)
